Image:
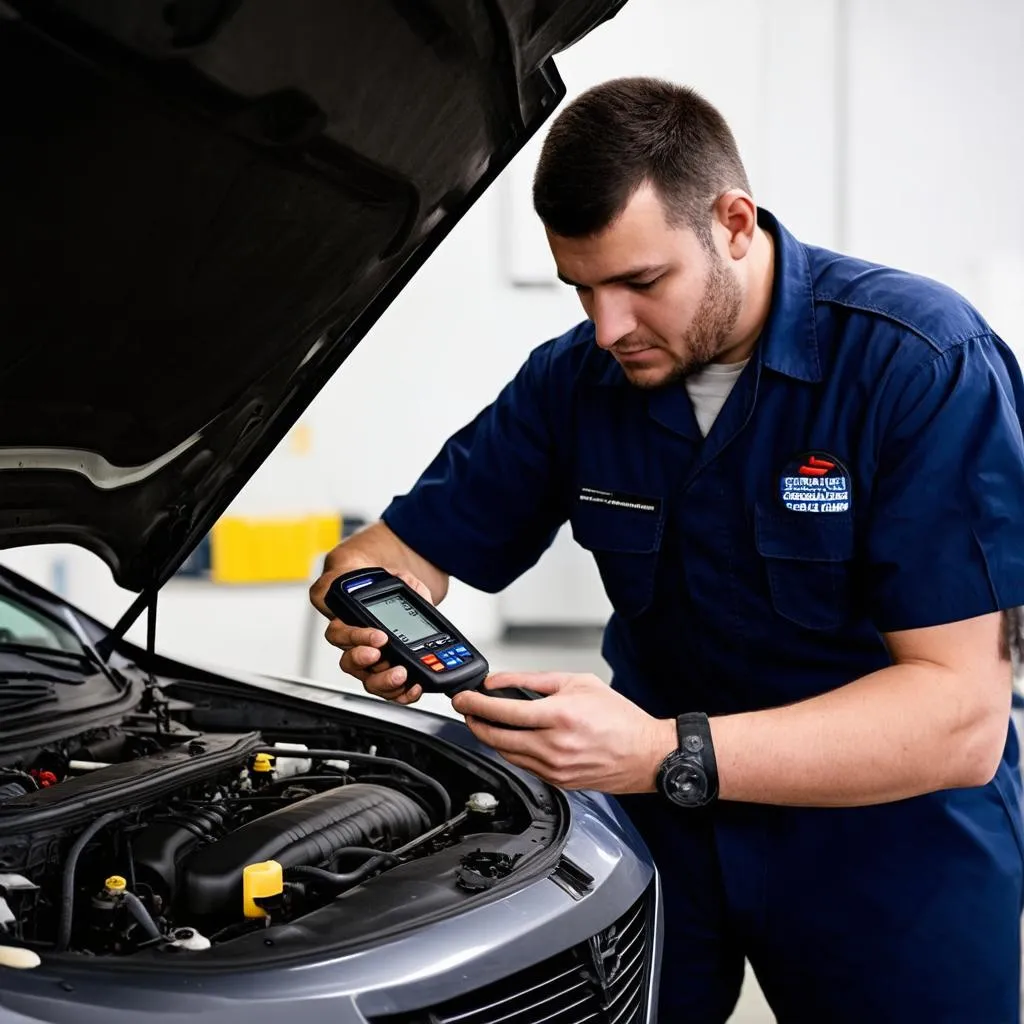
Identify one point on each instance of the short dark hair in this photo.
(618, 135)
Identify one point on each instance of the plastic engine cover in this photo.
(306, 832)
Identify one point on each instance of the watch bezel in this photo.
(677, 765)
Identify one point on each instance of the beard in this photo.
(706, 336)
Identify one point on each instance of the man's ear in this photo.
(736, 213)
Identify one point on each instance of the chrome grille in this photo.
(602, 981)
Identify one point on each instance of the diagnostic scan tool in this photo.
(434, 653)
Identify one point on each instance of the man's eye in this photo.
(642, 286)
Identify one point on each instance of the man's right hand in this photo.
(361, 645)
(375, 545)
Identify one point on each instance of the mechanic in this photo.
(802, 479)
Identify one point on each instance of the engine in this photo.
(204, 841)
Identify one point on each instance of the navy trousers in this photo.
(898, 913)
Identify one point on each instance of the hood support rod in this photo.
(145, 601)
(151, 634)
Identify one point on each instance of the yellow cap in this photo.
(115, 883)
(258, 882)
(263, 763)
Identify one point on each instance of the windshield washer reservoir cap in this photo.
(482, 803)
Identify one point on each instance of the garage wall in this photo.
(936, 145)
(885, 127)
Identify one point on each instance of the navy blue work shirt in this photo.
(865, 475)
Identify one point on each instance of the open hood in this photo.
(206, 205)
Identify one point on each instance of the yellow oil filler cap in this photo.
(260, 881)
(115, 884)
(263, 763)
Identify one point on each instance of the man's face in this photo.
(661, 303)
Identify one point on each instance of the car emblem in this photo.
(605, 961)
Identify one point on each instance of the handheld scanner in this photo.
(434, 653)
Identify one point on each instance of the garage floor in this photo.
(584, 656)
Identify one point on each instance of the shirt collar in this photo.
(788, 343)
(789, 338)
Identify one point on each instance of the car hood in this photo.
(207, 204)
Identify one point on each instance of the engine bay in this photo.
(171, 834)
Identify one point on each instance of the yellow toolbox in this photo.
(271, 550)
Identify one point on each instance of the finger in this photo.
(527, 714)
(533, 766)
(387, 684)
(417, 584)
(364, 657)
(411, 695)
(507, 742)
(318, 591)
(342, 635)
(352, 662)
(545, 683)
(378, 672)
(345, 663)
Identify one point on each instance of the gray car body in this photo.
(417, 970)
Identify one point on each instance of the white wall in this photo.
(889, 128)
(936, 145)
(768, 66)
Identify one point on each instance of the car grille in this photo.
(602, 981)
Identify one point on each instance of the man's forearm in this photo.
(905, 730)
(377, 544)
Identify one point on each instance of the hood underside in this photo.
(206, 205)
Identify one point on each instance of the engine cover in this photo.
(309, 831)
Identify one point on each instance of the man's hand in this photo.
(580, 735)
(376, 544)
(362, 657)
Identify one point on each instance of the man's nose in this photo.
(613, 319)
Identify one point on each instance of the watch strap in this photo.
(692, 727)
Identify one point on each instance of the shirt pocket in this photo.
(807, 557)
(625, 543)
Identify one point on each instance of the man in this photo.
(802, 479)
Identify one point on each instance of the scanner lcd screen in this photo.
(402, 618)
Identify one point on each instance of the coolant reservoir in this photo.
(287, 766)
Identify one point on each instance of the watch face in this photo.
(686, 784)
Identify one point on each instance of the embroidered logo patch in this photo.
(815, 482)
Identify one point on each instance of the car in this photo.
(207, 205)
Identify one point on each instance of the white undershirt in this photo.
(709, 388)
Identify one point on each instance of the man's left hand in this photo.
(580, 735)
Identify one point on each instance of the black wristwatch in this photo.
(688, 777)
